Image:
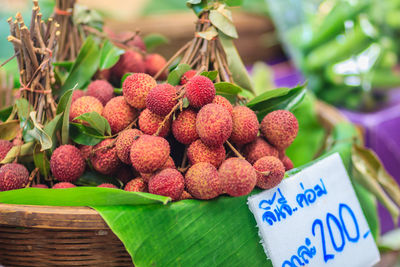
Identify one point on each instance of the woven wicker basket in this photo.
(74, 236)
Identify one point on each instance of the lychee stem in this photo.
(184, 159)
(237, 153)
(264, 173)
(167, 117)
(33, 174)
(111, 145)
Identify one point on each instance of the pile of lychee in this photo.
(200, 150)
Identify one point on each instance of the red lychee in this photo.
(136, 185)
(287, 162)
(184, 127)
(257, 149)
(107, 185)
(187, 76)
(5, 146)
(84, 105)
(245, 125)
(168, 182)
(161, 99)
(124, 142)
(199, 152)
(130, 61)
(200, 91)
(202, 181)
(220, 100)
(149, 123)
(154, 63)
(136, 88)
(67, 163)
(105, 159)
(185, 195)
(119, 114)
(13, 176)
(270, 172)
(102, 90)
(77, 94)
(63, 185)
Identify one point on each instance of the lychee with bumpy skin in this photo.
(136, 185)
(280, 128)
(40, 186)
(199, 152)
(63, 185)
(168, 164)
(161, 99)
(270, 172)
(86, 151)
(118, 114)
(102, 90)
(13, 176)
(154, 63)
(149, 153)
(105, 159)
(168, 182)
(77, 94)
(202, 181)
(237, 176)
(149, 123)
(257, 149)
(84, 105)
(220, 100)
(136, 87)
(214, 125)
(187, 76)
(5, 146)
(107, 185)
(126, 173)
(185, 195)
(124, 142)
(245, 125)
(67, 163)
(130, 61)
(184, 127)
(287, 162)
(200, 91)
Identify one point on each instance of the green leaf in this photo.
(227, 88)
(153, 40)
(65, 64)
(23, 109)
(390, 240)
(20, 151)
(85, 66)
(79, 196)
(208, 34)
(90, 178)
(64, 106)
(174, 77)
(197, 233)
(280, 98)
(222, 20)
(235, 63)
(42, 162)
(234, 2)
(5, 113)
(125, 76)
(39, 134)
(212, 75)
(109, 55)
(118, 91)
(262, 77)
(84, 135)
(52, 127)
(96, 121)
(9, 129)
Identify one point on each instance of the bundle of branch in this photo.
(6, 89)
(70, 41)
(204, 52)
(33, 48)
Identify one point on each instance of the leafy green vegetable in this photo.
(174, 77)
(109, 55)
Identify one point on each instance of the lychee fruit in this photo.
(257, 149)
(214, 125)
(154, 63)
(169, 164)
(220, 100)
(136, 87)
(185, 195)
(136, 185)
(107, 185)
(86, 152)
(149, 153)
(13, 176)
(5, 146)
(280, 128)
(82, 105)
(287, 162)
(40, 186)
(147, 176)
(161, 99)
(199, 152)
(63, 185)
(102, 90)
(187, 76)
(118, 114)
(200, 91)
(124, 142)
(77, 94)
(67, 163)
(149, 123)
(105, 159)
(270, 172)
(130, 61)
(184, 127)
(168, 182)
(237, 176)
(137, 42)
(245, 125)
(202, 181)
(126, 173)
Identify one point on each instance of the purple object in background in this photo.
(382, 128)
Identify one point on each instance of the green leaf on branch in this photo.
(84, 135)
(227, 88)
(18, 151)
(126, 75)
(91, 178)
(280, 98)
(85, 66)
(96, 121)
(52, 127)
(39, 134)
(41, 161)
(174, 77)
(208, 34)
(5, 113)
(212, 75)
(9, 130)
(109, 55)
(63, 107)
(23, 109)
(65, 64)
(153, 40)
(221, 18)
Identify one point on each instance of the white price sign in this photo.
(314, 218)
